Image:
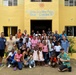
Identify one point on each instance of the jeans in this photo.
(50, 53)
(46, 57)
(18, 64)
(31, 62)
(9, 60)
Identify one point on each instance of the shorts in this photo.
(2, 53)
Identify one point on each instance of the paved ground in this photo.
(37, 71)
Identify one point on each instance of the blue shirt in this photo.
(2, 43)
(65, 44)
(57, 36)
(64, 35)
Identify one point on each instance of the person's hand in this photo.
(61, 60)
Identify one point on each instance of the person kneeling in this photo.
(65, 61)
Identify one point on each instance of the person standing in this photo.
(10, 43)
(65, 44)
(19, 34)
(2, 47)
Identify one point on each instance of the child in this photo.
(31, 60)
(45, 53)
(53, 59)
(35, 54)
(17, 62)
(40, 56)
(51, 47)
(57, 48)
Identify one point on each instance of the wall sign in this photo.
(40, 13)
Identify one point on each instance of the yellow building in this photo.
(38, 14)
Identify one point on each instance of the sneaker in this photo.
(9, 65)
(70, 69)
(34, 66)
(15, 69)
(30, 67)
(49, 63)
(1, 65)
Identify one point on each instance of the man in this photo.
(19, 34)
(2, 47)
(49, 32)
(56, 35)
(10, 43)
(65, 44)
(65, 61)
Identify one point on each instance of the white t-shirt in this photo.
(57, 48)
(15, 40)
(50, 46)
(11, 54)
(28, 44)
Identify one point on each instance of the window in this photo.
(70, 30)
(9, 30)
(41, 0)
(70, 2)
(10, 2)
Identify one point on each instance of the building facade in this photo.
(38, 15)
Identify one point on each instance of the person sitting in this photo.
(17, 62)
(31, 60)
(10, 57)
(65, 61)
(53, 59)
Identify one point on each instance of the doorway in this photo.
(39, 25)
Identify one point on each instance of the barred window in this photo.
(70, 30)
(10, 2)
(41, 0)
(10, 30)
(70, 2)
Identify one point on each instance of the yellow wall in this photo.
(35, 6)
(67, 15)
(12, 15)
(20, 15)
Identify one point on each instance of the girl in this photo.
(45, 53)
(34, 42)
(17, 62)
(35, 54)
(31, 60)
(40, 56)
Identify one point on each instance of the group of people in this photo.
(37, 49)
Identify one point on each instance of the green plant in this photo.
(72, 42)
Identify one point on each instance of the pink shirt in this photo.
(41, 45)
(34, 42)
(18, 57)
(45, 48)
